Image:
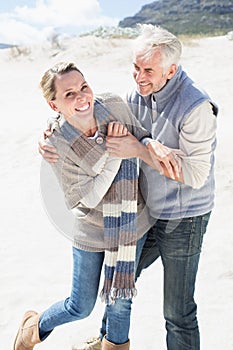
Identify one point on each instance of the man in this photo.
(179, 116)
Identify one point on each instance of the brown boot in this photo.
(28, 333)
(107, 345)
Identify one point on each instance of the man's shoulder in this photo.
(132, 94)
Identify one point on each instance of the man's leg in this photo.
(149, 254)
(180, 242)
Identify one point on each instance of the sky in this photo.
(27, 21)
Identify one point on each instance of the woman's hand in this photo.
(121, 143)
(117, 129)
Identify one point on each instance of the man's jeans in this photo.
(86, 276)
(178, 242)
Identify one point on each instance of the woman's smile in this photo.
(83, 108)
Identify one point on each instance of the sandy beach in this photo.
(36, 265)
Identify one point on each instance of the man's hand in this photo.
(168, 158)
(164, 159)
(48, 152)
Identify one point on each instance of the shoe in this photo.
(28, 333)
(107, 345)
(93, 343)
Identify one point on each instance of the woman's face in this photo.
(74, 98)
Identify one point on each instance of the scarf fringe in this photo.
(115, 293)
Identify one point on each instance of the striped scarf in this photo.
(120, 224)
(119, 212)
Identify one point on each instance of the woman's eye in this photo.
(84, 87)
(69, 94)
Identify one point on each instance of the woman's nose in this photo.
(80, 95)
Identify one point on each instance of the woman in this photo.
(111, 217)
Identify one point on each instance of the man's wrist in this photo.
(146, 140)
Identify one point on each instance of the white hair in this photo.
(153, 37)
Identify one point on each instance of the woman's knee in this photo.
(79, 310)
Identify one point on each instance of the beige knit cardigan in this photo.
(84, 187)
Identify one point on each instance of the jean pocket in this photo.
(199, 228)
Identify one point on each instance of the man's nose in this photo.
(138, 76)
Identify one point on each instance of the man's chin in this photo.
(143, 92)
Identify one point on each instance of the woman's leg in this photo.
(86, 275)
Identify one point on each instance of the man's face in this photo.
(149, 74)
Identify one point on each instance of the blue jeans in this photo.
(178, 243)
(86, 276)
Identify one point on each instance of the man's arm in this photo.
(158, 156)
(163, 159)
(48, 151)
(198, 139)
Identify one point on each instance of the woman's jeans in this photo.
(178, 243)
(86, 277)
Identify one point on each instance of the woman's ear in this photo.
(53, 106)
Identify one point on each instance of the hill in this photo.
(186, 16)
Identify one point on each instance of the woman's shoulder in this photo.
(109, 97)
(114, 103)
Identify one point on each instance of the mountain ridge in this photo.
(186, 16)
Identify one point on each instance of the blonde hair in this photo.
(153, 37)
(47, 83)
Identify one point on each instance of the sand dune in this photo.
(35, 266)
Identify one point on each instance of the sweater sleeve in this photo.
(198, 141)
(81, 188)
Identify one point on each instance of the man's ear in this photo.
(171, 71)
(53, 106)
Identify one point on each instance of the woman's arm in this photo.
(78, 185)
(80, 188)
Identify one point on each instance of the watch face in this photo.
(99, 140)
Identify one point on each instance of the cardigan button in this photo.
(99, 140)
